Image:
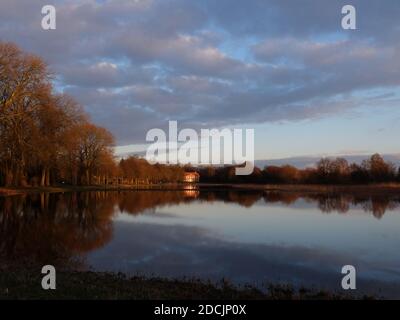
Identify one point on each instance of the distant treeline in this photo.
(327, 171)
(135, 170)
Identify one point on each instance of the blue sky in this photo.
(285, 68)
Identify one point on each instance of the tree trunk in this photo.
(87, 176)
(47, 177)
(43, 178)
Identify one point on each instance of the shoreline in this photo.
(366, 189)
(378, 188)
(26, 285)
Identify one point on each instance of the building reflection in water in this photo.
(191, 191)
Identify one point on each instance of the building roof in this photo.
(192, 173)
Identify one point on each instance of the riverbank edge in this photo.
(381, 188)
(26, 285)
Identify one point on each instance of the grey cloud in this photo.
(305, 18)
(136, 64)
(104, 74)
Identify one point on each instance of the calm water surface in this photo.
(246, 236)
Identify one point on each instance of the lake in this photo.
(245, 236)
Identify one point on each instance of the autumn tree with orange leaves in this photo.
(44, 137)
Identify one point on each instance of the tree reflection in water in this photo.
(60, 229)
(53, 229)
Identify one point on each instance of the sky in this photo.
(285, 68)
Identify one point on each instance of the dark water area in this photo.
(254, 237)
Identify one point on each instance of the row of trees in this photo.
(45, 137)
(135, 170)
(327, 171)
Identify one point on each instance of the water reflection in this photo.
(170, 233)
(59, 228)
(340, 203)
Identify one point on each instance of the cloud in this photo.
(136, 64)
(103, 75)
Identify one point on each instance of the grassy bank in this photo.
(383, 188)
(94, 285)
(8, 191)
(365, 189)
